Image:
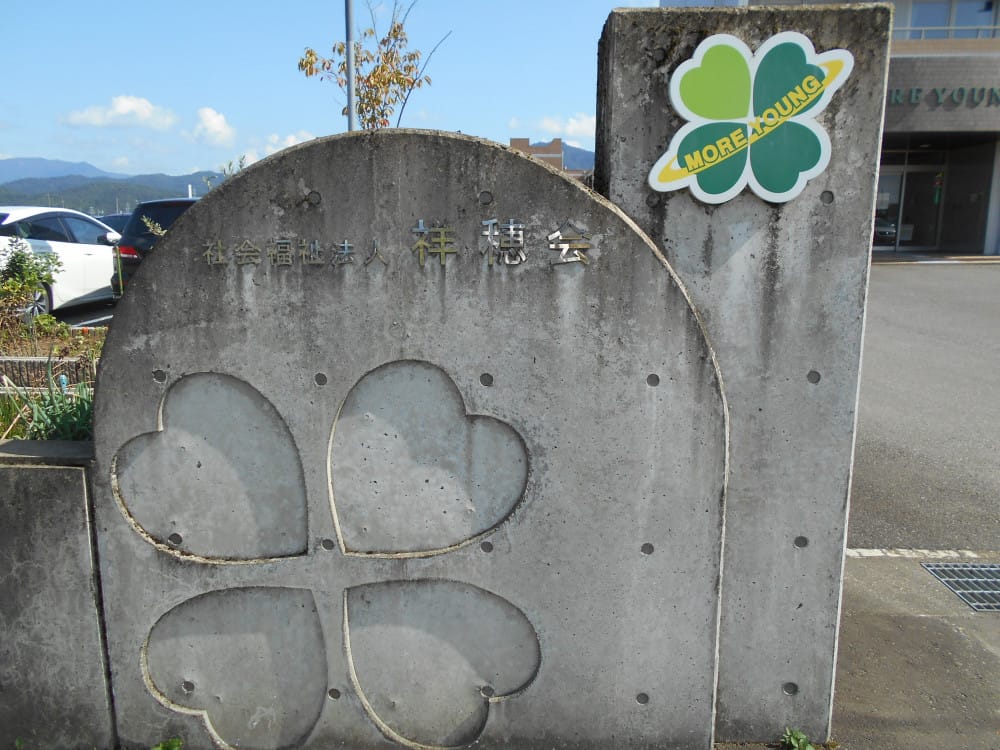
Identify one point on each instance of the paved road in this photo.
(97, 314)
(928, 449)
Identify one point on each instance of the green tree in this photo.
(385, 71)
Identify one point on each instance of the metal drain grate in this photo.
(978, 585)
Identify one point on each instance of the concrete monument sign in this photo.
(793, 98)
(404, 439)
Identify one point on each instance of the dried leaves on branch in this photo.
(385, 71)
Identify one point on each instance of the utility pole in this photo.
(349, 13)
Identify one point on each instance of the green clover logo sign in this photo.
(751, 118)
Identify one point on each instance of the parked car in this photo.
(147, 224)
(115, 221)
(83, 245)
(885, 232)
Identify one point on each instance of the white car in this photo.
(83, 245)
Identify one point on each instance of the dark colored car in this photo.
(148, 223)
(115, 221)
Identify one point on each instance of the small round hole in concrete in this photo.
(813, 377)
(486, 379)
(826, 196)
(790, 688)
(486, 546)
(187, 686)
(801, 542)
(159, 376)
(328, 544)
(334, 694)
(175, 538)
(314, 198)
(647, 548)
(642, 699)
(320, 378)
(652, 380)
(487, 691)
(486, 197)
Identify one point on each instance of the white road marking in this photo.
(936, 554)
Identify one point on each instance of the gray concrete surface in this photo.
(537, 449)
(919, 669)
(925, 472)
(782, 290)
(53, 686)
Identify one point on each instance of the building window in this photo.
(949, 19)
(977, 18)
(930, 20)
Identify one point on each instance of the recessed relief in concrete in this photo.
(249, 661)
(455, 650)
(508, 428)
(220, 478)
(411, 472)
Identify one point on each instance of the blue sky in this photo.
(150, 86)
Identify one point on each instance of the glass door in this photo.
(908, 208)
(887, 201)
(920, 216)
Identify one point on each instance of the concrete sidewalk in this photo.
(918, 668)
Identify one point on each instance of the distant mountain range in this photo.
(577, 158)
(84, 187)
(20, 169)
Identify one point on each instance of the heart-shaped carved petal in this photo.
(250, 661)
(429, 657)
(222, 477)
(412, 472)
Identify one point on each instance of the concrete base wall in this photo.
(53, 684)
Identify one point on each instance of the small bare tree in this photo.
(386, 73)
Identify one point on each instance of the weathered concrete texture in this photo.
(511, 475)
(53, 687)
(782, 291)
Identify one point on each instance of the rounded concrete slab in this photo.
(506, 416)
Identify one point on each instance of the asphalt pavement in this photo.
(918, 668)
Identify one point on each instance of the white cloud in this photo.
(577, 126)
(212, 128)
(120, 163)
(125, 111)
(277, 142)
(514, 124)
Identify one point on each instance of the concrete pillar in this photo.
(781, 287)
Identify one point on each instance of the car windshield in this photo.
(158, 217)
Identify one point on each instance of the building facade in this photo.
(939, 178)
